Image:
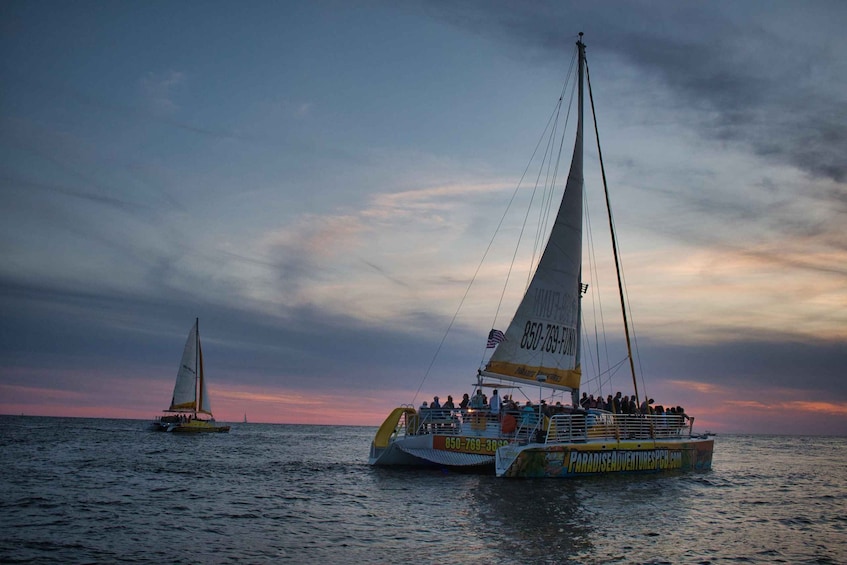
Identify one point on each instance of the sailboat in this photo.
(190, 410)
(542, 347)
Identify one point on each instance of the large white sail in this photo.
(543, 340)
(185, 389)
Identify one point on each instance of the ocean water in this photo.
(107, 491)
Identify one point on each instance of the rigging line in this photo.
(555, 174)
(598, 305)
(546, 195)
(479, 267)
(634, 333)
(544, 210)
(592, 270)
(597, 296)
(549, 182)
(551, 125)
(614, 243)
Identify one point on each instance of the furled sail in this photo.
(543, 340)
(185, 389)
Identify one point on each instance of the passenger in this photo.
(661, 416)
(610, 404)
(495, 404)
(448, 403)
(435, 403)
(478, 400)
(423, 417)
(584, 400)
(465, 401)
(616, 403)
(528, 415)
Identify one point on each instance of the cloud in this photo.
(812, 369)
(739, 71)
(160, 89)
(331, 249)
(158, 105)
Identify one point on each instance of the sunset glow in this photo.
(336, 191)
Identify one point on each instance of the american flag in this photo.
(495, 337)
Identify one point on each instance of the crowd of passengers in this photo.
(627, 405)
(495, 406)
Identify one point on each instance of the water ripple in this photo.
(106, 491)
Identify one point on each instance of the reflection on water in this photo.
(531, 519)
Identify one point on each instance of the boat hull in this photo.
(604, 458)
(561, 446)
(193, 427)
(429, 451)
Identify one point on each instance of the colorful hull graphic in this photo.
(597, 459)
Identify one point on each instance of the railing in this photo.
(563, 428)
(558, 428)
(450, 421)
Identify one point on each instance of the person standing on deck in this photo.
(494, 404)
(478, 400)
(465, 401)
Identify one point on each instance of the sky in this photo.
(317, 182)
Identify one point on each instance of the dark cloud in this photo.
(11, 183)
(783, 96)
(815, 367)
(394, 279)
(301, 347)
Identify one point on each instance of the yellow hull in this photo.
(199, 426)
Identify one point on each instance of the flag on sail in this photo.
(495, 337)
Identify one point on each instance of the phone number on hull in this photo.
(478, 445)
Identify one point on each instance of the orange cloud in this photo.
(829, 408)
(706, 388)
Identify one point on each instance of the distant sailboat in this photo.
(245, 417)
(542, 347)
(190, 410)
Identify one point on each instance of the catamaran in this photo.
(542, 347)
(190, 410)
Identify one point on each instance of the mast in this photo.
(581, 46)
(580, 68)
(197, 370)
(612, 231)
